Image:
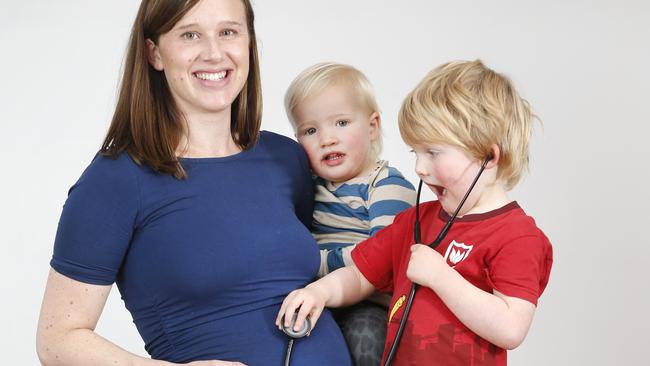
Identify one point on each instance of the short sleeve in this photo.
(97, 222)
(374, 256)
(521, 268)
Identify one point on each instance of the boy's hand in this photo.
(424, 265)
(309, 300)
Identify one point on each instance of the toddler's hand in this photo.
(309, 300)
(424, 265)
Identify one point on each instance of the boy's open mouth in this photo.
(438, 190)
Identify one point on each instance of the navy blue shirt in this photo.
(202, 263)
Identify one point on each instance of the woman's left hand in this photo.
(214, 363)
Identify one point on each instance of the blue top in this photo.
(202, 263)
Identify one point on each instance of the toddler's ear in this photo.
(375, 125)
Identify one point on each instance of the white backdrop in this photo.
(583, 65)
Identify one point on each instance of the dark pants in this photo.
(364, 328)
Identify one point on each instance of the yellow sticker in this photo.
(398, 304)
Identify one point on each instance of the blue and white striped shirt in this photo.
(347, 213)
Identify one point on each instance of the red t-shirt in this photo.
(500, 250)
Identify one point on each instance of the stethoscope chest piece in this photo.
(306, 326)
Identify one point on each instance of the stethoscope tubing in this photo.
(292, 335)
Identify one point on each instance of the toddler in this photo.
(336, 119)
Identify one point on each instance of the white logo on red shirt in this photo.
(456, 252)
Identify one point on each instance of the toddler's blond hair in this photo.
(317, 78)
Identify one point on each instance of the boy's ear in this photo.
(495, 152)
(153, 55)
(375, 125)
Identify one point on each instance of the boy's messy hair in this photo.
(467, 105)
(318, 77)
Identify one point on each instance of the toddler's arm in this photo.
(502, 320)
(343, 287)
(389, 195)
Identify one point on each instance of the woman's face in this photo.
(205, 56)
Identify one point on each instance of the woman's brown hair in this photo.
(147, 123)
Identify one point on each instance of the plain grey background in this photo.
(583, 65)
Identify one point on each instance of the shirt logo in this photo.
(456, 252)
(398, 304)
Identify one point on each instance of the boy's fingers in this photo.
(279, 316)
(305, 309)
(314, 318)
(294, 304)
(283, 307)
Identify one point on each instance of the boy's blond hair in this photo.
(318, 77)
(467, 105)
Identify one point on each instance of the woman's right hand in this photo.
(308, 301)
(214, 363)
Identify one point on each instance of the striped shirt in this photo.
(347, 213)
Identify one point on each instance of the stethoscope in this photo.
(293, 335)
(417, 237)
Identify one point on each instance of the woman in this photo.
(198, 217)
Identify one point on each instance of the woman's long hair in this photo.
(147, 123)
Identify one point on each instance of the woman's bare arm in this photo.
(66, 335)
